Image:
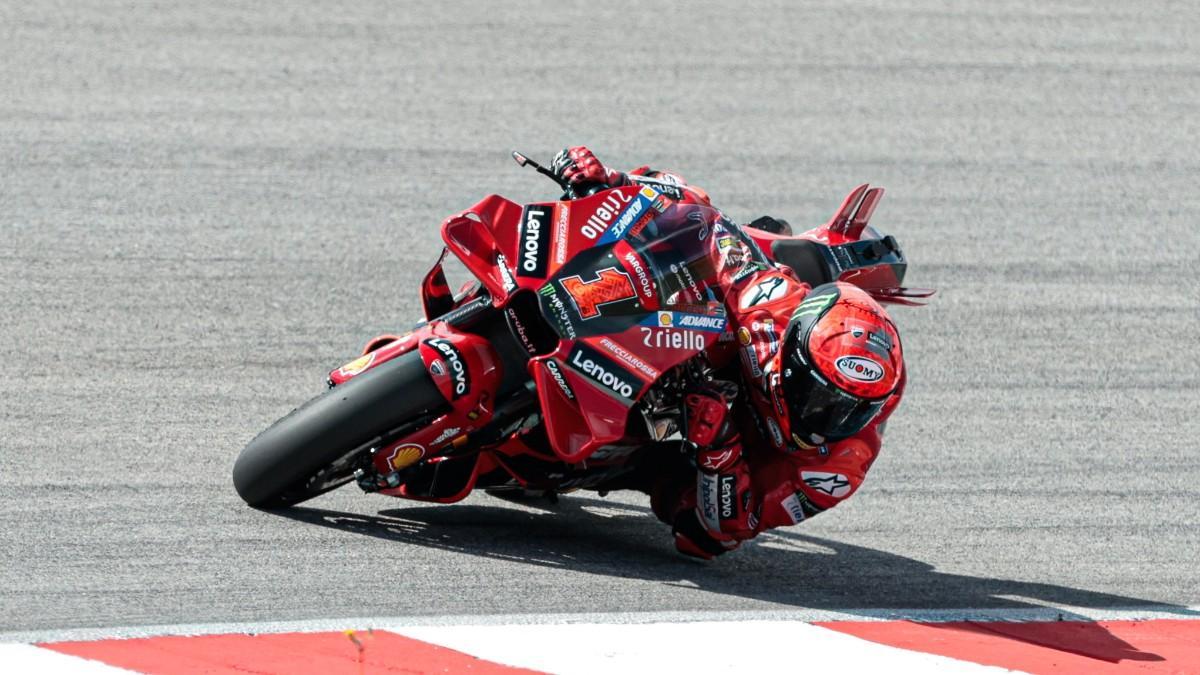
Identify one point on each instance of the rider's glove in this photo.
(710, 436)
(578, 166)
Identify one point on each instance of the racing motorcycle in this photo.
(564, 364)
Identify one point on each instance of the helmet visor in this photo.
(821, 412)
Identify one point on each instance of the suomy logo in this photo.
(859, 368)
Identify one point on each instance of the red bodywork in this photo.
(574, 258)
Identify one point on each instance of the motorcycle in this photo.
(564, 365)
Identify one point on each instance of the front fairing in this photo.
(625, 281)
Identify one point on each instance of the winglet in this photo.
(841, 219)
(863, 215)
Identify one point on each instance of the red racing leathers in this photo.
(749, 477)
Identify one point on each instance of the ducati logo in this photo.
(610, 285)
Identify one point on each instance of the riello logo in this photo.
(859, 368)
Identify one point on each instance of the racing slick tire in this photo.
(316, 447)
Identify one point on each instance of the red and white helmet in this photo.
(840, 361)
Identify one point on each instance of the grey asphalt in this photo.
(206, 206)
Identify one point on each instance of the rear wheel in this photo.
(317, 447)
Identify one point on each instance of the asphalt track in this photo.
(205, 206)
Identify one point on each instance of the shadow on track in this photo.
(595, 536)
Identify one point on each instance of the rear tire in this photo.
(314, 448)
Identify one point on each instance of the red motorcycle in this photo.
(564, 365)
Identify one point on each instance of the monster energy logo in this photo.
(814, 304)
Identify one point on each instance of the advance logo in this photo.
(604, 371)
(533, 241)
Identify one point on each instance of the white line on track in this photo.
(695, 647)
(30, 659)
(397, 623)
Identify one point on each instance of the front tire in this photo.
(317, 446)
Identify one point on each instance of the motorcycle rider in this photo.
(822, 370)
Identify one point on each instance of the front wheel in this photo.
(317, 446)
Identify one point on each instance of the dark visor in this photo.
(818, 408)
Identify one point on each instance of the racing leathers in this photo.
(749, 475)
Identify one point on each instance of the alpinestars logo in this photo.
(610, 285)
(460, 377)
(832, 484)
(533, 240)
(767, 290)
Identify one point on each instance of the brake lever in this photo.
(522, 160)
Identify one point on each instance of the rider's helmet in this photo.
(840, 361)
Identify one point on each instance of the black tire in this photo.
(313, 449)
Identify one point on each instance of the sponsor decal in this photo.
(765, 330)
(775, 387)
(405, 455)
(749, 354)
(610, 285)
(683, 275)
(681, 320)
(506, 277)
(559, 308)
(707, 501)
(726, 242)
(445, 435)
(859, 368)
(599, 222)
(560, 234)
(357, 365)
(747, 270)
(813, 305)
(460, 377)
(669, 338)
(665, 183)
(776, 432)
(629, 358)
(628, 217)
(768, 290)
(604, 371)
(711, 324)
(639, 270)
(879, 344)
(753, 519)
(437, 368)
(792, 505)
(556, 373)
(519, 327)
(727, 483)
(832, 484)
(532, 241)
